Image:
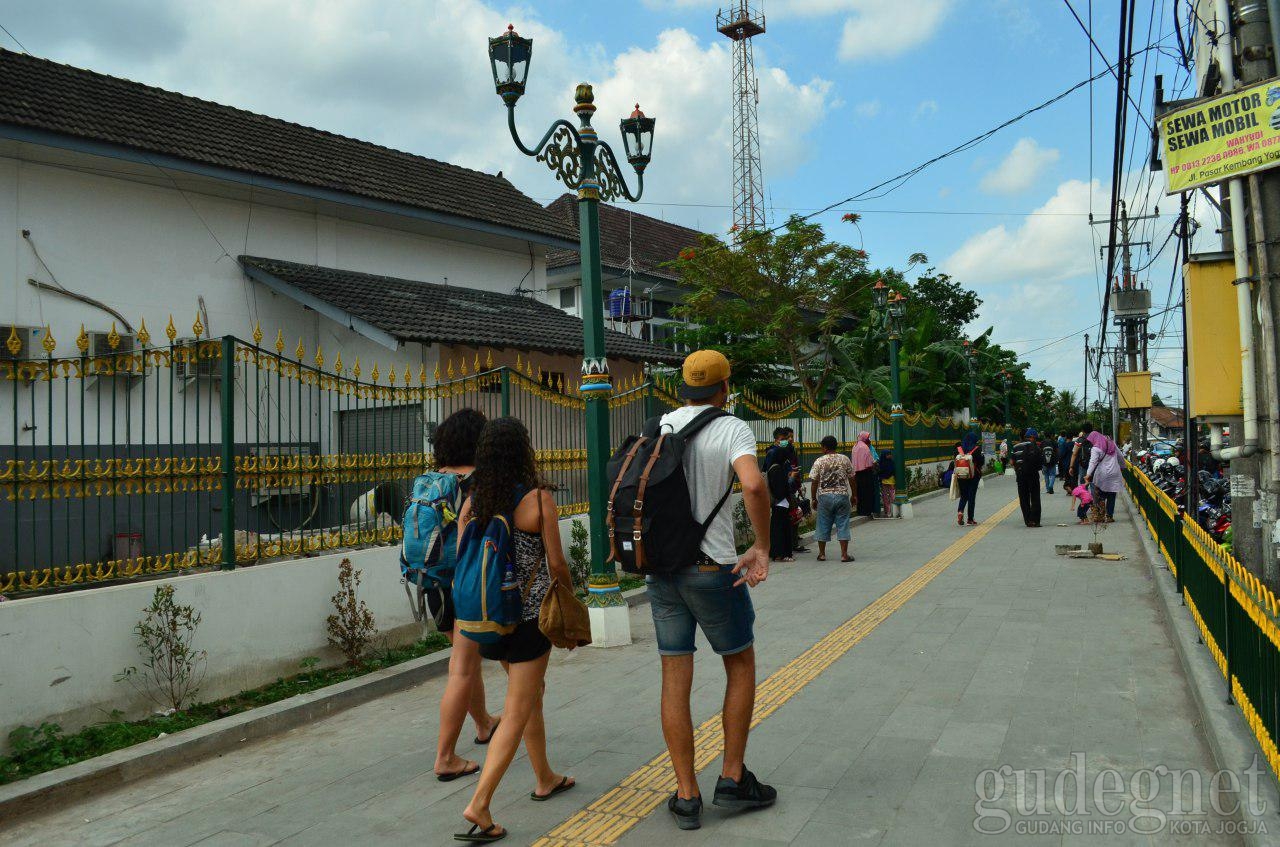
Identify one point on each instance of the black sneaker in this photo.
(688, 813)
(746, 793)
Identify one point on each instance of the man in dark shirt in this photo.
(1028, 461)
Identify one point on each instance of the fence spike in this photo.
(436, 373)
(391, 374)
(144, 335)
(280, 342)
(171, 331)
(477, 368)
(528, 368)
(422, 374)
(519, 364)
(464, 366)
(299, 352)
(319, 356)
(113, 337)
(49, 344)
(449, 370)
(373, 374)
(408, 375)
(13, 344)
(197, 328)
(337, 363)
(82, 340)
(488, 359)
(355, 370)
(257, 333)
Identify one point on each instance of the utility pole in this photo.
(1086, 376)
(1131, 306)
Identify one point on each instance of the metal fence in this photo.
(142, 461)
(1236, 614)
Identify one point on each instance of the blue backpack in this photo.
(429, 549)
(486, 597)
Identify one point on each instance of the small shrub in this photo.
(172, 668)
(579, 555)
(351, 627)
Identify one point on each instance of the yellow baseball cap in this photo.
(704, 372)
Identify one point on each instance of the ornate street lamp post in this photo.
(970, 361)
(582, 162)
(1004, 378)
(893, 306)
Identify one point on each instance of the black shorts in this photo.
(440, 602)
(525, 644)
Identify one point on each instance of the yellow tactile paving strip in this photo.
(608, 818)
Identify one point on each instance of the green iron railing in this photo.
(135, 461)
(1237, 615)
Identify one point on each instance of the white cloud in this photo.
(926, 109)
(868, 109)
(883, 29)
(1019, 170)
(415, 75)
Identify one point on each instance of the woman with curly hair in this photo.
(506, 481)
(454, 445)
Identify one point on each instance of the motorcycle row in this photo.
(1213, 510)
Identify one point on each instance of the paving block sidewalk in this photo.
(1010, 656)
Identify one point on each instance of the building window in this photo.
(568, 297)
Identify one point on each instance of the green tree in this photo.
(776, 303)
(952, 303)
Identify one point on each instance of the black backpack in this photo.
(650, 517)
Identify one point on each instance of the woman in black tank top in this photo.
(505, 468)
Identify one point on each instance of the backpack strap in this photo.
(696, 425)
(724, 499)
(609, 519)
(637, 533)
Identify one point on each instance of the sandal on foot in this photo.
(847, 559)
(564, 785)
(476, 835)
(822, 558)
(492, 730)
(467, 770)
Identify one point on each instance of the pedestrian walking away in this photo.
(866, 481)
(1065, 448)
(1104, 471)
(831, 488)
(966, 472)
(887, 471)
(1028, 461)
(506, 482)
(454, 446)
(711, 594)
(1049, 448)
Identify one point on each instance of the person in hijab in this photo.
(865, 477)
(1104, 471)
(969, 446)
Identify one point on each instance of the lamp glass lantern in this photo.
(897, 306)
(637, 138)
(509, 56)
(879, 294)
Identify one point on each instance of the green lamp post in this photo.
(970, 361)
(583, 162)
(1005, 378)
(893, 306)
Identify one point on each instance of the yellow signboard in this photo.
(1222, 137)
(1213, 339)
(1135, 389)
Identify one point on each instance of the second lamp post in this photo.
(893, 306)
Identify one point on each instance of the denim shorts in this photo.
(834, 510)
(701, 595)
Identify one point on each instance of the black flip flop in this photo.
(491, 732)
(450, 777)
(476, 835)
(564, 786)
(850, 559)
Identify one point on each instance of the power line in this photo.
(15, 38)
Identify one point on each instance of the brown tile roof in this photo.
(1167, 417)
(43, 95)
(411, 310)
(651, 242)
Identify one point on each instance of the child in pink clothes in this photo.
(1082, 499)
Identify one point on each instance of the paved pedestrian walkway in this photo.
(893, 690)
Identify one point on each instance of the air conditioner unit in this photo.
(100, 348)
(29, 339)
(188, 365)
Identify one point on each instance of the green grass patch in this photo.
(44, 748)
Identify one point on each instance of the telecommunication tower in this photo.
(741, 23)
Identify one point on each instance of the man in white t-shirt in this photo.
(711, 594)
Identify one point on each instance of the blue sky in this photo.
(852, 92)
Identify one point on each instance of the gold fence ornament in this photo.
(197, 328)
(82, 341)
(144, 335)
(171, 331)
(257, 333)
(49, 344)
(279, 342)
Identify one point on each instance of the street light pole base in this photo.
(610, 625)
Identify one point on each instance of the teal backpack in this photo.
(487, 599)
(429, 548)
